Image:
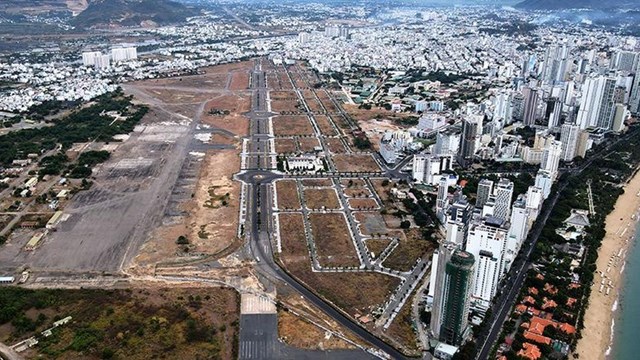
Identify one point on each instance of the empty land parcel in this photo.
(149, 178)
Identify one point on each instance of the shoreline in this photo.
(600, 315)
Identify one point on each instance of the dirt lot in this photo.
(284, 81)
(401, 330)
(328, 104)
(353, 183)
(171, 96)
(235, 122)
(321, 199)
(141, 323)
(283, 96)
(355, 293)
(325, 125)
(292, 125)
(212, 220)
(294, 243)
(287, 195)
(377, 246)
(313, 105)
(363, 204)
(358, 163)
(382, 188)
(215, 224)
(357, 192)
(335, 146)
(371, 223)
(208, 81)
(239, 81)
(300, 333)
(227, 68)
(286, 106)
(317, 182)
(286, 145)
(273, 81)
(409, 250)
(333, 240)
(352, 292)
(308, 144)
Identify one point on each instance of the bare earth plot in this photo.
(285, 145)
(371, 223)
(356, 192)
(363, 204)
(356, 163)
(316, 182)
(235, 122)
(377, 246)
(286, 105)
(283, 96)
(326, 101)
(325, 125)
(294, 244)
(355, 293)
(353, 183)
(409, 250)
(308, 144)
(292, 125)
(321, 199)
(239, 81)
(301, 333)
(333, 240)
(211, 218)
(336, 146)
(287, 195)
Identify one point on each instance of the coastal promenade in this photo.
(621, 223)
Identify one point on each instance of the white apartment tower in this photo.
(503, 196)
(485, 189)
(569, 135)
(596, 105)
(124, 54)
(487, 243)
(551, 157)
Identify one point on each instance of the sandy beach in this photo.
(603, 303)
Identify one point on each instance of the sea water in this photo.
(627, 319)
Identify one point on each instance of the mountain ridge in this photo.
(575, 4)
(104, 13)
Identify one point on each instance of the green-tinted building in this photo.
(456, 290)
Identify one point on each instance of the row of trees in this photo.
(82, 125)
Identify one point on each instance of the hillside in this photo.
(575, 4)
(100, 13)
(37, 7)
(116, 13)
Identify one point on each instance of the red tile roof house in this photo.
(550, 289)
(529, 300)
(548, 304)
(521, 309)
(530, 351)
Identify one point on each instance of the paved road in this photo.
(8, 353)
(260, 247)
(259, 340)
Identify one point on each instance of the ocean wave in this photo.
(614, 307)
(613, 325)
